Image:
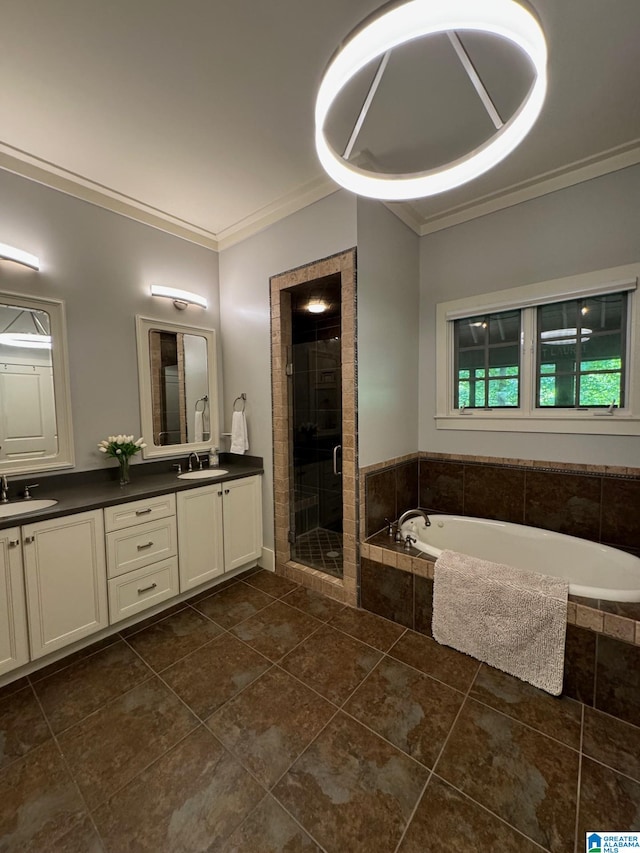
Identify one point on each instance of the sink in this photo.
(205, 474)
(7, 510)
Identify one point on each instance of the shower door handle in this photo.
(337, 448)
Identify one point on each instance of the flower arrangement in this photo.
(121, 447)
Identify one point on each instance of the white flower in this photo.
(119, 452)
(140, 442)
(143, 444)
(102, 449)
(120, 439)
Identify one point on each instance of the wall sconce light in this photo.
(9, 253)
(181, 298)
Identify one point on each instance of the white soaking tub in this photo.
(593, 570)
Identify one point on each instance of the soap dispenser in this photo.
(214, 459)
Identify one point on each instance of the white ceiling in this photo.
(198, 116)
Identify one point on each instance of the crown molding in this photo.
(50, 175)
(301, 197)
(548, 182)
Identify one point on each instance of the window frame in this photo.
(527, 417)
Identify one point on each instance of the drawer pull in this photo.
(144, 511)
(13, 543)
(146, 545)
(29, 539)
(147, 588)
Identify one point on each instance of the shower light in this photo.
(416, 19)
(181, 298)
(9, 253)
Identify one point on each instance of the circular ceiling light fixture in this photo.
(397, 26)
(317, 306)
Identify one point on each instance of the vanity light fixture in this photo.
(181, 298)
(10, 253)
(392, 27)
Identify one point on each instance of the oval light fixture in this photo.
(398, 25)
(317, 306)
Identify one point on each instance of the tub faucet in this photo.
(409, 513)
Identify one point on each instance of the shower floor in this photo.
(320, 549)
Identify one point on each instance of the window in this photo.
(557, 357)
(487, 351)
(581, 352)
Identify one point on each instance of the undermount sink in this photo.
(7, 510)
(205, 474)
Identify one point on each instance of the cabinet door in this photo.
(242, 511)
(200, 552)
(14, 645)
(66, 580)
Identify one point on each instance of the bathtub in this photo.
(593, 570)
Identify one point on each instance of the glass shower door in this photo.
(315, 398)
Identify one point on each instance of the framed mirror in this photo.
(35, 404)
(178, 387)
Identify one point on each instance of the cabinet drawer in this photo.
(141, 589)
(136, 512)
(140, 546)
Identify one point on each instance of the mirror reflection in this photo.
(179, 388)
(28, 428)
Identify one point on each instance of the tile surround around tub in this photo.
(602, 653)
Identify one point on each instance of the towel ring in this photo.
(204, 400)
(243, 399)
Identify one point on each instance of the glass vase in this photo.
(124, 470)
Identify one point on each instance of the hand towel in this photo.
(239, 439)
(198, 426)
(513, 620)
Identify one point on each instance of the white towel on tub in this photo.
(513, 620)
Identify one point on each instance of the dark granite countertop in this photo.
(79, 492)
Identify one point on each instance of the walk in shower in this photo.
(314, 375)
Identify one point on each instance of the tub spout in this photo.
(411, 512)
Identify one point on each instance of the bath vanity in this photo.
(73, 574)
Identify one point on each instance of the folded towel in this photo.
(198, 426)
(513, 620)
(239, 439)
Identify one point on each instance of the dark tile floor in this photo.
(264, 717)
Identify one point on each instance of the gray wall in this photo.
(591, 226)
(322, 229)
(388, 334)
(101, 264)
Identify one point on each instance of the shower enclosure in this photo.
(314, 373)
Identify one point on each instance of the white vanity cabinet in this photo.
(219, 529)
(14, 642)
(242, 521)
(142, 547)
(66, 586)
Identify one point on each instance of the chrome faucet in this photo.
(419, 512)
(4, 489)
(198, 460)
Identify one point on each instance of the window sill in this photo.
(578, 423)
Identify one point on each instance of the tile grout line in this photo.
(435, 763)
(577, 820)
(488, 811)
(68, 769)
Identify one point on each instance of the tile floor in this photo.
(264, 717)
(320, 549)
